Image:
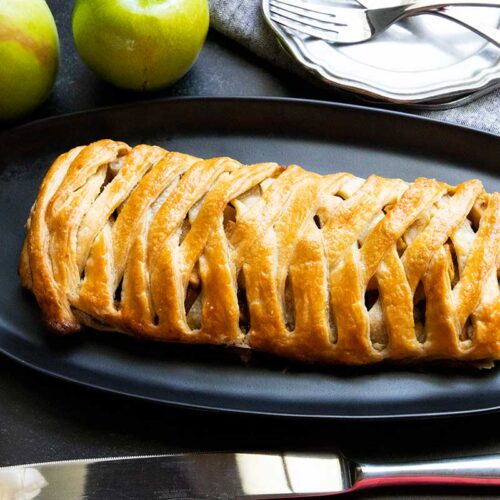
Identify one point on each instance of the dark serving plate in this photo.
(319, 136)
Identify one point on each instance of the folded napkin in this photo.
(242, 21)
(21, 483)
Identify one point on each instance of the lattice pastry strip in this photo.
(265, 283)
(480, 260)
(35, 253)
(442, 337)
(333, 269)
(137, 310)
(396, 302)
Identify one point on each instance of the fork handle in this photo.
(435, 4)
(475, 471)
(488, 32)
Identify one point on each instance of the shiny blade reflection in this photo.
(290, 474)
(193, 476)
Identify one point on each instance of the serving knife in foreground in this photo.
(231, 475)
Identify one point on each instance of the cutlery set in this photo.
(424, 53)
(351, 25)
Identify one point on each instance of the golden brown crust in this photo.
(330, 269)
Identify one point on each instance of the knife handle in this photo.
(474, 471)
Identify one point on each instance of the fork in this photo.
(344, 25)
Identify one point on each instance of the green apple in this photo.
(140, 44)
(29, 55)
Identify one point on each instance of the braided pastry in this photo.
(333, 269)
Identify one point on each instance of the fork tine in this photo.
(311, 22)
(311, 7)
(317, 16)
(301, 9)
(330, 35)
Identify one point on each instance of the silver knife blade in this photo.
(183, 476)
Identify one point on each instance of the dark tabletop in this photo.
(42, 419)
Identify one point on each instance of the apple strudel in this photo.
(329, 269)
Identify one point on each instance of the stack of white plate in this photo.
(425, 61)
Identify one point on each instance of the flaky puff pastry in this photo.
(329, 269)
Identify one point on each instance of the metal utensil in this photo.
(343, 25)
(487, 32)
(233, 475)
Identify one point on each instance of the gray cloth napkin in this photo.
(242, 21)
